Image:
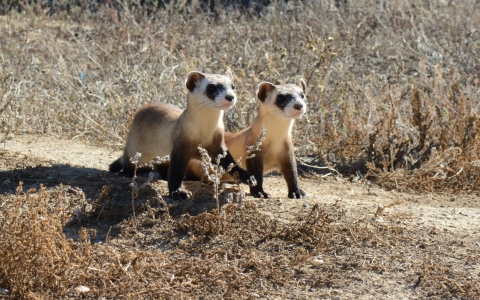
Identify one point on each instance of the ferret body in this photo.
(279, 106)
(161, 129)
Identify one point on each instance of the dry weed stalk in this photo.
(6, 81)
(381, 208)
(134, 185)
(213, 172)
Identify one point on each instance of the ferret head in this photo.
(215, 91)
(287, 100)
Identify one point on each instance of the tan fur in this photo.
(152, 130)
(278, 133)
(158, 125)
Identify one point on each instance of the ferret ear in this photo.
(264, 89)
(192, 79)
(303, 84)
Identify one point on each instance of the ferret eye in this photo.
(233, 87)
(211, 88)
(281, 99)
(302, 95)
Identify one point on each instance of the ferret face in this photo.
(287, 100)
(215, 91)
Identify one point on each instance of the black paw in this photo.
(258, 193)
(179, 195)
(297, 194)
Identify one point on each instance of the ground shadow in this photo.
(101, 201)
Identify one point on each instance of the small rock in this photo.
(82, 289)
(317, 262)
(305, 205)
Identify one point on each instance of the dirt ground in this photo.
(446, 223)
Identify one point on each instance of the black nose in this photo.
(298, 106)
(229, 98)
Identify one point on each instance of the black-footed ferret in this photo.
(161, 129)
(279, 106)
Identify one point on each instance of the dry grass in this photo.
(392, 99)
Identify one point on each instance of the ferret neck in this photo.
(278, 127)
(204, 120)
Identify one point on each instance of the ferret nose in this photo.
(298, 106)
(229, 98)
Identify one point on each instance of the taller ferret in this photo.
(160, 129)
(280, 105)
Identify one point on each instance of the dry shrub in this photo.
(35, 255)
(39, 261)
(439, 155)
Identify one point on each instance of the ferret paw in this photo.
(297, 194)
(259, 193)
(179, 195)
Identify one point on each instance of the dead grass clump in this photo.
(442, 281)
(308, 228)
(232, 218)
(35, 255)
(244, 246)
